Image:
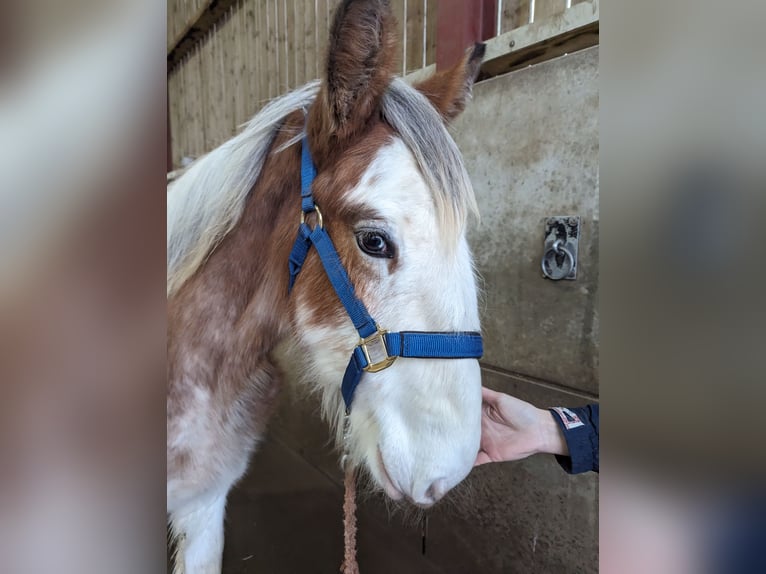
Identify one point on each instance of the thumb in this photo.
(490, 396)
(481, 458)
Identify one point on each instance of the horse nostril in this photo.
(437, 489)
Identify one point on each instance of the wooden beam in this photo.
(568, 32)
(575, 29)
(200, 24)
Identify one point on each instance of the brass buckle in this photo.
(320, 221)
(375, 345)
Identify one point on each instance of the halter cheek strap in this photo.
(377, 348)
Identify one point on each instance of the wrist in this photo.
(552, 439)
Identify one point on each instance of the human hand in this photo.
(512, 429)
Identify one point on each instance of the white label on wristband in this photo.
(570, 420)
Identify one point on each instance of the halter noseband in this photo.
(377, 349)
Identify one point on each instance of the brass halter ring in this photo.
(320, 221)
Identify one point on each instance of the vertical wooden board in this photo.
(415, 31)
(284, 66)
(172, 107)
(247, 55)
(206, 89)
(227, 76)
(199, 104)
(515, 14)
(272, 55)
(547, 8)
(214, 92)
(432, 7)
(191, 129)
(295, 43)
(398, 7)
(218, 89)
(204, 81)
(253, 56)
(323, 34)
(238, 40)
(247, 58)
(232, 64)
(277, 23)
(306, 64)
(183, 126)
(178, 17)
(181, 129)
(192, 101)
(263, 63)
(309, 41)
(178, 123)
(262, 23)
(240, 79)
(289, 44)
(262, 27)
(246, 46)
(171, 20)
(173, 101)
(230, 71)
(332, 6)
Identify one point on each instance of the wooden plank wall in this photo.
(261, 49)
(516, 13)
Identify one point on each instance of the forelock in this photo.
(422, 129)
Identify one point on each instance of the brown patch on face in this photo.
(449, 90)
(343, 172)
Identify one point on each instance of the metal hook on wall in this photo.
(560, 248)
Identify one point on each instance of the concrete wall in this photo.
(530, 141)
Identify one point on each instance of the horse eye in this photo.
(375, 243)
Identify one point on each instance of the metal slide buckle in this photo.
(374, 346)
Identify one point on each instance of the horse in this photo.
(396, 202)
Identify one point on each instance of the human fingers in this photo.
(489, 396)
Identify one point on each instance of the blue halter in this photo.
(377, 349)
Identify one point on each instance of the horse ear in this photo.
(449, 90)
(358, 69)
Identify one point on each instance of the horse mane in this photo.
(206, 202)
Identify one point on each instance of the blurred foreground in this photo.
(82, 336)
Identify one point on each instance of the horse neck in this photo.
(235, 309)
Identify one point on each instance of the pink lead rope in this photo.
(349, 565)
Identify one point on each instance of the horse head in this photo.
(395, 199)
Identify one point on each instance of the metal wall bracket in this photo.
(562, 234)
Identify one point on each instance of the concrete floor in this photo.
(286, 517)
